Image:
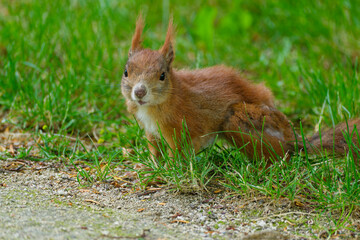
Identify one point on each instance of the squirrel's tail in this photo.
(263, 131)
(338, 140)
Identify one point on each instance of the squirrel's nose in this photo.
(140, 92)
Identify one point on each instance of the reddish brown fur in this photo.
(136, 40)
(254, 127)
(333, 140)
(210, 100)
(167, 49)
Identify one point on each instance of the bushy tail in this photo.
(345, 137)
(262, 131)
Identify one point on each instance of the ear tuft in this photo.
(167, 50)
(136, 39)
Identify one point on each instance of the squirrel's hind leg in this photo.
(259, 131)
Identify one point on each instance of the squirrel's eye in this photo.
(125, 73)
(162, 76)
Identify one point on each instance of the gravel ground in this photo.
(48, 203)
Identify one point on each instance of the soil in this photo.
(42, 201)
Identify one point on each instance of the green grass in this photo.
(62, 61)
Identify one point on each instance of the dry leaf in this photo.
(91, 201)
(127, 152)
(129, 175)
(84, 190)
(298, 203)
(14, 166)
(115, 184)
(230, 228)
(139, 166)
(12, 150)
(176, 215)
(180, 221)
(95, 191)
(121, 179)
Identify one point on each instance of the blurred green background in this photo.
(62, 61)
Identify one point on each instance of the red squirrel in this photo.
(211, 101)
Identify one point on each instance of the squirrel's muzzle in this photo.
(140, 91)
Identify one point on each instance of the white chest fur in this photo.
(147, 121)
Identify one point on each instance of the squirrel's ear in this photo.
(167, 50)
(136, 39)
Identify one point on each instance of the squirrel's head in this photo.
(147, 75)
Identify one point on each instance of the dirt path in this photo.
(49, 204)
